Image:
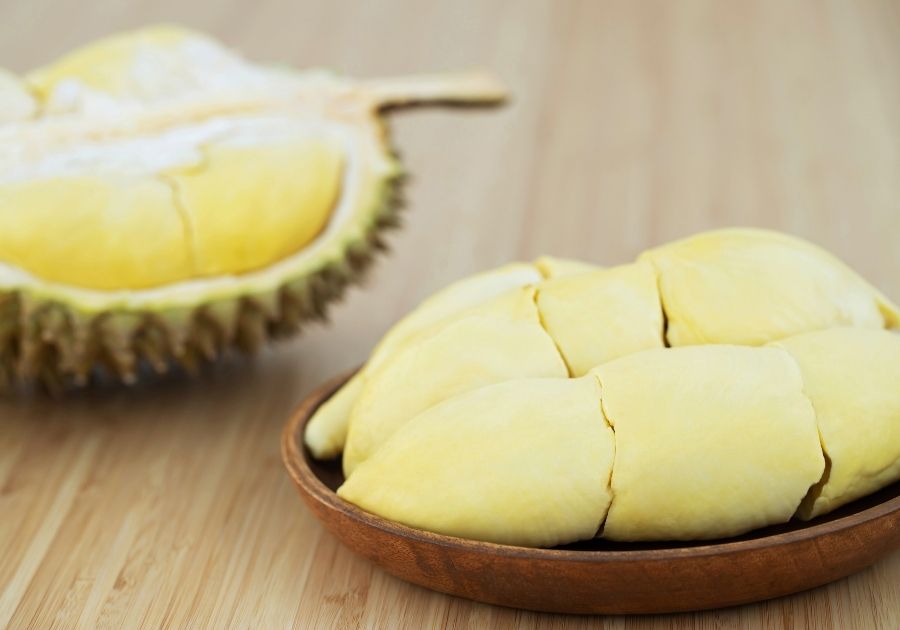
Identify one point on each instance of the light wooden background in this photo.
(633, 123)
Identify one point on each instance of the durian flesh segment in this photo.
(711, 441)
(524, 462)
(450, 359)
(250, 204)
(326, 431)
(598, 316)
(750, 287)
(452, 300)
(852, 377)
(94, 231)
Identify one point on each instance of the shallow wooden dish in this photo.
(598, 576)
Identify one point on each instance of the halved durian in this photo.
(162, 199)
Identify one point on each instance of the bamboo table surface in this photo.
(166, 504)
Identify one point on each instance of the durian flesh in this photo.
(734, 399)
(161, 199)
(549, 485)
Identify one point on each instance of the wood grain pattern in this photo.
(167, 505)
(599, 576)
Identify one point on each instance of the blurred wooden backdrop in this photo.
(632, 123)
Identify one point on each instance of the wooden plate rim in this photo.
(294, 457)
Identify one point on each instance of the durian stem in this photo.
(475, 87)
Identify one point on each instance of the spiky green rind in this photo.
(57, 344)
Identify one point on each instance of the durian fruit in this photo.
(772, 403)
(163, 199)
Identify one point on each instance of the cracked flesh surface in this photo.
(856, 412)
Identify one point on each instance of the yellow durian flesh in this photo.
(711, 441)
(241, 210)
(242, 207)
(170, 72)
(852, 377)
(247, 206)
(138, 63)
(598, 316)
(524, 462)
(747, 286)
(326, 431)
(450, 301)
(449, 360)
(101, 235)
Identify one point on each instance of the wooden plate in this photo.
(598, 576)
